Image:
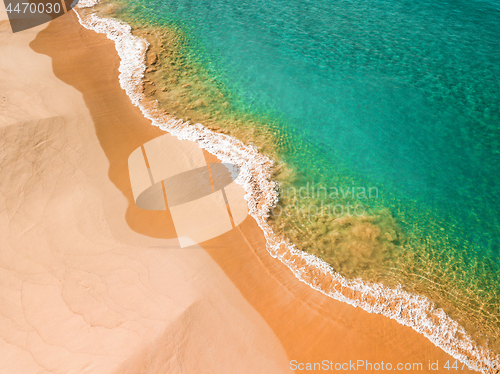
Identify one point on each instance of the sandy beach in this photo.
(90, 283)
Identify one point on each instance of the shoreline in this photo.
(93, 286)
(108, 279)
(82, 290)
(410, 310)
(397, 242)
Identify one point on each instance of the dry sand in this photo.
(80, 292)
(89, 283)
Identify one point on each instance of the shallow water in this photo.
(397, 95)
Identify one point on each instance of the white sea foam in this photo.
(411, 310)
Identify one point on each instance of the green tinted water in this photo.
(395, 95)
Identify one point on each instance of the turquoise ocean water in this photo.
(402, 95)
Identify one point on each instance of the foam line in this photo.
(411, 310)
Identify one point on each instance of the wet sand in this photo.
(141, 303)
(80, 291)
